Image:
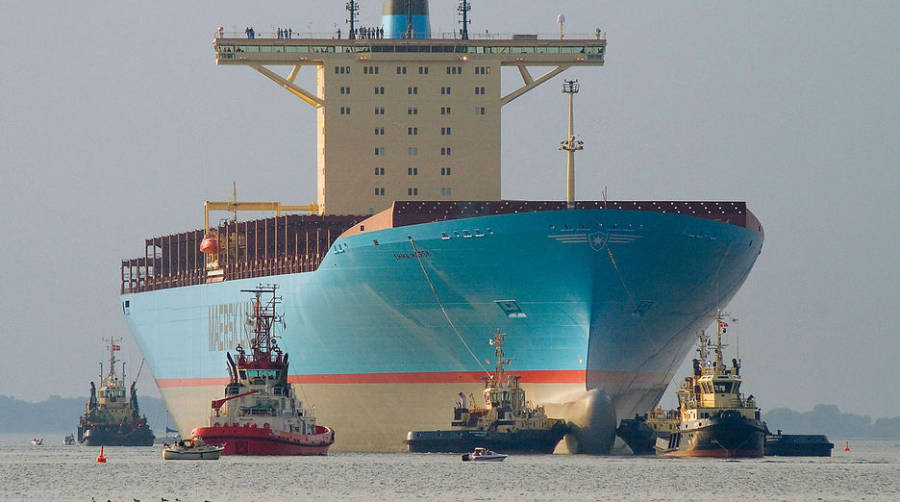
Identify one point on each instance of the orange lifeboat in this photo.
(210, 244)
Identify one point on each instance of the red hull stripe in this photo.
(550, 376)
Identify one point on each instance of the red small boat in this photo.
(260, 415)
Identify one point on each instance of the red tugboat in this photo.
(259, 414)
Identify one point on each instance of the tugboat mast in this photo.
(113, 347)
(720, 330)
(262, 320)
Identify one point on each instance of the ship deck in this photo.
(298, 243)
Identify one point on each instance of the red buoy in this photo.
(847, 446)
(209, 244)
(101, 459)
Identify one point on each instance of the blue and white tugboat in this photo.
(715, 419)
(506, 422)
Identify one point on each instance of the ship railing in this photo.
(282, 245)
(235, 32)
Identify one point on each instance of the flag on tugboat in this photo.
(116, 347)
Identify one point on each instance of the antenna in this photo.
(409, 20)
(570, 144)
(561, 21)
(463, 9)
(353, 9)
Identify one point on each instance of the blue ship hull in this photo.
(600, 308)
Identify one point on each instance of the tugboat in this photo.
(507, 422)
(111, 418)
(641, 432)
(715, 420)
(260, 414)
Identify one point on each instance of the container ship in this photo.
(409, 255)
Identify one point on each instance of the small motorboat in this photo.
(192, 449)
(483, 455)
(69, 440)
(37, 441)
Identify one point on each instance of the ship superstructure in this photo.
(408, 254)
(112, 417)
(408, 118)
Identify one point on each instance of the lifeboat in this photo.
(210, 244)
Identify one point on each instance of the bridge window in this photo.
(722, 387)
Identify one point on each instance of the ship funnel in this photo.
(406, 19)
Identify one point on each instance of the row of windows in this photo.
(414, 110)
(414, 191)
(413, 150)
(401, 70)
(410, 131)
(445, 91)
(414, 171)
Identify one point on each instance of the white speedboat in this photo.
(192, 449)
(483, 455)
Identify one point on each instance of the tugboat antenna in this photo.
(570, 144)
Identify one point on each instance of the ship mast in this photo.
(497, 342)
(353, 9)
(262, 320)
(113, 347)
(720, 330)
(463, 9)
(570, 144)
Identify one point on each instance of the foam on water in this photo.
(871, 471)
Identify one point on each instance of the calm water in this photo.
(871, 471)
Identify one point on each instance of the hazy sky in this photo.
(115, 125)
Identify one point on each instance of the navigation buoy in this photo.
(101, 459)
(847, 446)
